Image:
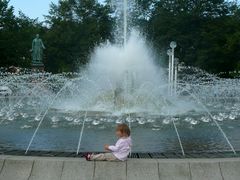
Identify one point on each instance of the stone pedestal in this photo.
(38, 67)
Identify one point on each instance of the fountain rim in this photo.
(134, 155)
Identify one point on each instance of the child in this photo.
(120, 151)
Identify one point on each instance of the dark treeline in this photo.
(207, 32)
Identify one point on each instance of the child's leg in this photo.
(110, 157)
(97, 157)
(104, 157)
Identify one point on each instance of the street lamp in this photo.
(169, 53)
(176, 75)
(173, 45)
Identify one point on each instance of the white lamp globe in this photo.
(173, 44)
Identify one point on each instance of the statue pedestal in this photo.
(38, 66)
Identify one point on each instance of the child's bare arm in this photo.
(106, 147)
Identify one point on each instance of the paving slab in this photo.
(230, 170)
(142, 170)
(110, 171)
(16, 170)
(1, 164)
(46, 170)
(174, 171)
(77, 170)
(205, 171)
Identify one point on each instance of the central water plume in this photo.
(129, 72)
(125, 25)
(122, 79)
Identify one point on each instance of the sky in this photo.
(32, 8)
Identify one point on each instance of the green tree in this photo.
(76, 27)
(16, 34)
(204, 31)
(7, 26)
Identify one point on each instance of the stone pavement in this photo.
(45, 168)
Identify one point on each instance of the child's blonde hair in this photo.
(123, 128)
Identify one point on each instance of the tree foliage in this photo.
(16, 34)
(206, 31)
(76, 26)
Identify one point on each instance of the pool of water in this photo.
(61, 131)
(73, 113)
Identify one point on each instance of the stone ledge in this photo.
(47, 168)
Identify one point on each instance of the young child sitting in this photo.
(120, 151)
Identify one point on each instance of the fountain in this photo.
(5, 91)
(77, 112)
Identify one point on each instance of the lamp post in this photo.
(173, 45)
(169, 53)
(176, 75)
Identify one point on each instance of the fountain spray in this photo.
(125, 4)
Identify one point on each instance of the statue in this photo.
(37, 51)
